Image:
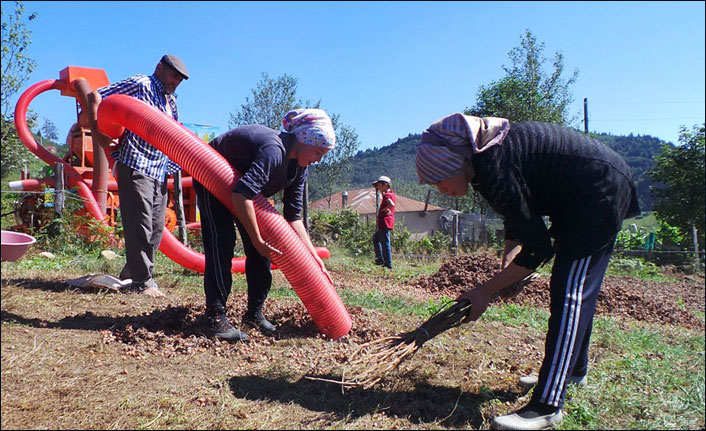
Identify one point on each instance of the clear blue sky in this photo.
(387, 68)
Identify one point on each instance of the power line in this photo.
(649, 103)
(618, 120)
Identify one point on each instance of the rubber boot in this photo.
(221, 328)
(257, 320)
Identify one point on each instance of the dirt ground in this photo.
(76, 359)
(179, 330)
(648, 301)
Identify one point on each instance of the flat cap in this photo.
(175, 63)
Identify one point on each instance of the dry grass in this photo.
(375, 360)
(60, 371)
(77, 359)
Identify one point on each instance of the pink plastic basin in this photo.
(15, 245)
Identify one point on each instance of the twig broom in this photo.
(373, 360)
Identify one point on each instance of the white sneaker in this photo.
(528, 382)
(526, 420)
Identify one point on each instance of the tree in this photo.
(272, 99)
(333, 172)
(49, 130)
(17, 67)
(680, 201)
(527, 92)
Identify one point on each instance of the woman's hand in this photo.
(265, 249)
(515, 288)
(245, 212)
(323, 267)
(300, 229)
(479, 298)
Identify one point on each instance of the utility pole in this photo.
(697, 261)
(59, 190)
(179, 207)
(454, 233)
(585, 115)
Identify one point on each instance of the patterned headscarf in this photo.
(311, 127)
(450, 141)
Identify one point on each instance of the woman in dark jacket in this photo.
(526, 171)
(269, 161)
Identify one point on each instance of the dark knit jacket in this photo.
(543, 169)
(261, 156)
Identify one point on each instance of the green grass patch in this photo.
(645, 220)
(403, 269)
(393, 304)
(517, 316)
(635, 267)
(624, 267)
(648, 377)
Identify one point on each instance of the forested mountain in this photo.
(397, 161)
(639, 152)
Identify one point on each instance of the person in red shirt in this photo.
(385, 222)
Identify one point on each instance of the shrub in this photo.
(344, 228)
(632, 238)
(347, 230)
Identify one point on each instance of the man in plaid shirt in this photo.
(142, 170)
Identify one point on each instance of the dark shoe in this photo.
(221, 328)
(529, 418)
(258, 321)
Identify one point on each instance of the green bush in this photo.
(347, 230)
(634, 267)
(671, 235)
(634, 238)
(631, 239)
(344, 228)
(399, 239)
(439, 243)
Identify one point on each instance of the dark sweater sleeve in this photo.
(532, 233)
(258, 174)
(507, 193)
(293, 199)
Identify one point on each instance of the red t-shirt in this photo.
(386, 219)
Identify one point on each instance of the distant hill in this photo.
(639, 152)
(397, 161)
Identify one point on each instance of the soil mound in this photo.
(183, 330)
(650, 301)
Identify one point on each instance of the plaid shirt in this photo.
(134, 151)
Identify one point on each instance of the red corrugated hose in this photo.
(117, 112)
(210, 169)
